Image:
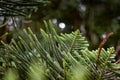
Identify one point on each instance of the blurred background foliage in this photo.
(94, 18)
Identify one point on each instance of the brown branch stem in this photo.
(102, 44)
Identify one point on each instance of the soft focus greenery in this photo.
(11, 75)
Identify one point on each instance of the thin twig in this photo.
(102, 44)
(118, 61)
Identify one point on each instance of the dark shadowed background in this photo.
(94, 18)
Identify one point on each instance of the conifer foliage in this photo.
(56, 57)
